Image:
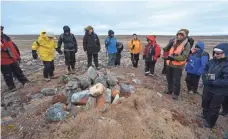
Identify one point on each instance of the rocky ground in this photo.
(145, 114)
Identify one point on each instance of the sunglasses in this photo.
(219, 53)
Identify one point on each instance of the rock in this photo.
(91, 103)
(56, 112)
(76, 109)
(73, 84)
(63, 79)
(37, 96)
(85, 82)
(92, 73)
(80, 98)
(29, 63)
(101, 101)
(115, 90)
(59, 98)
(111, 80)
(97, 89)
(49, 91)
(126, 90)
(159, 94)
(101, 79)
(116, 100)
(108, 96)
(137, 81)
(6, 120)
(131, 74)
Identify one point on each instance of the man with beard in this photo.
(176, 61)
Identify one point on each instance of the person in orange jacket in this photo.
(135, 47)
(150, 54)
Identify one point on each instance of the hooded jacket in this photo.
(151, 50)
(219, 69)
(68, 40)
(197, 60)
(45, 47)
(9, 54)
(180, 58)
(91, 43)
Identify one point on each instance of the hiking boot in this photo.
(47, 79)
(175, 97)
(147, 73)
(224, 113)
(151, 75)
(98, 68)
(206, 124)
(12, 89)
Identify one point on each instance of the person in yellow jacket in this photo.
(135, 47)
(45, 46)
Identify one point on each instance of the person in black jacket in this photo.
(119, 46)
(91, 45)
(215, 79)
(70, 48)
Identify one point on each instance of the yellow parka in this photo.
(45, 47)
(138, 46)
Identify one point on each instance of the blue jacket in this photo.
(219, 68)
(110, 44)
(197, 60)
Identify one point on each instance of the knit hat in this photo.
(186, 31)
(2, 27)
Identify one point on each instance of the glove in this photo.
(133, 47)
(59, 51)
(34, 54)
(170, 58)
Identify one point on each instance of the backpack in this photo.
(205, 53)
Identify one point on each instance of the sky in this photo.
(123, 17)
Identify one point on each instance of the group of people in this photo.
(179, 54)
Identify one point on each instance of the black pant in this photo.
(173, 76)
(70, 59)
(149, 66)
(134, 59)
(164, 68)
(95, 59)
(225, 104)
(9, 70)
(211, 104)
(49, 68)
(118, 57)
(192, 81)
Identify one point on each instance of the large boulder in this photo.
(101, 79)
(85, 81)
(56, 112)
(72, 85)
(97, 89)
(92, 73)
(49, 91)
(80, 98)
(111, 79)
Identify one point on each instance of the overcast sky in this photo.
(128, 17)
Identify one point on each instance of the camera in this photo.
(211, 77)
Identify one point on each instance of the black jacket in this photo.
(91, 43)
(219, 69)
(69, 42)
(119, 46)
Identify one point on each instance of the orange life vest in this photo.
(176, 51)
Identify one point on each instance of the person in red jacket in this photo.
(9, 64)
(150, 54)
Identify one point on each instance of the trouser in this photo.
(211, 105)
(149, 66)
(164, 68)
(134, 59)
(70, 60)
(95, 59)
(192, 81)
(9, 70)
(118, 57)
(111, 59)
(225, 104)
(49, 68)
(173, 76)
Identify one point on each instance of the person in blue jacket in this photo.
(110, 44)
(215, 79)
(195, 67)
